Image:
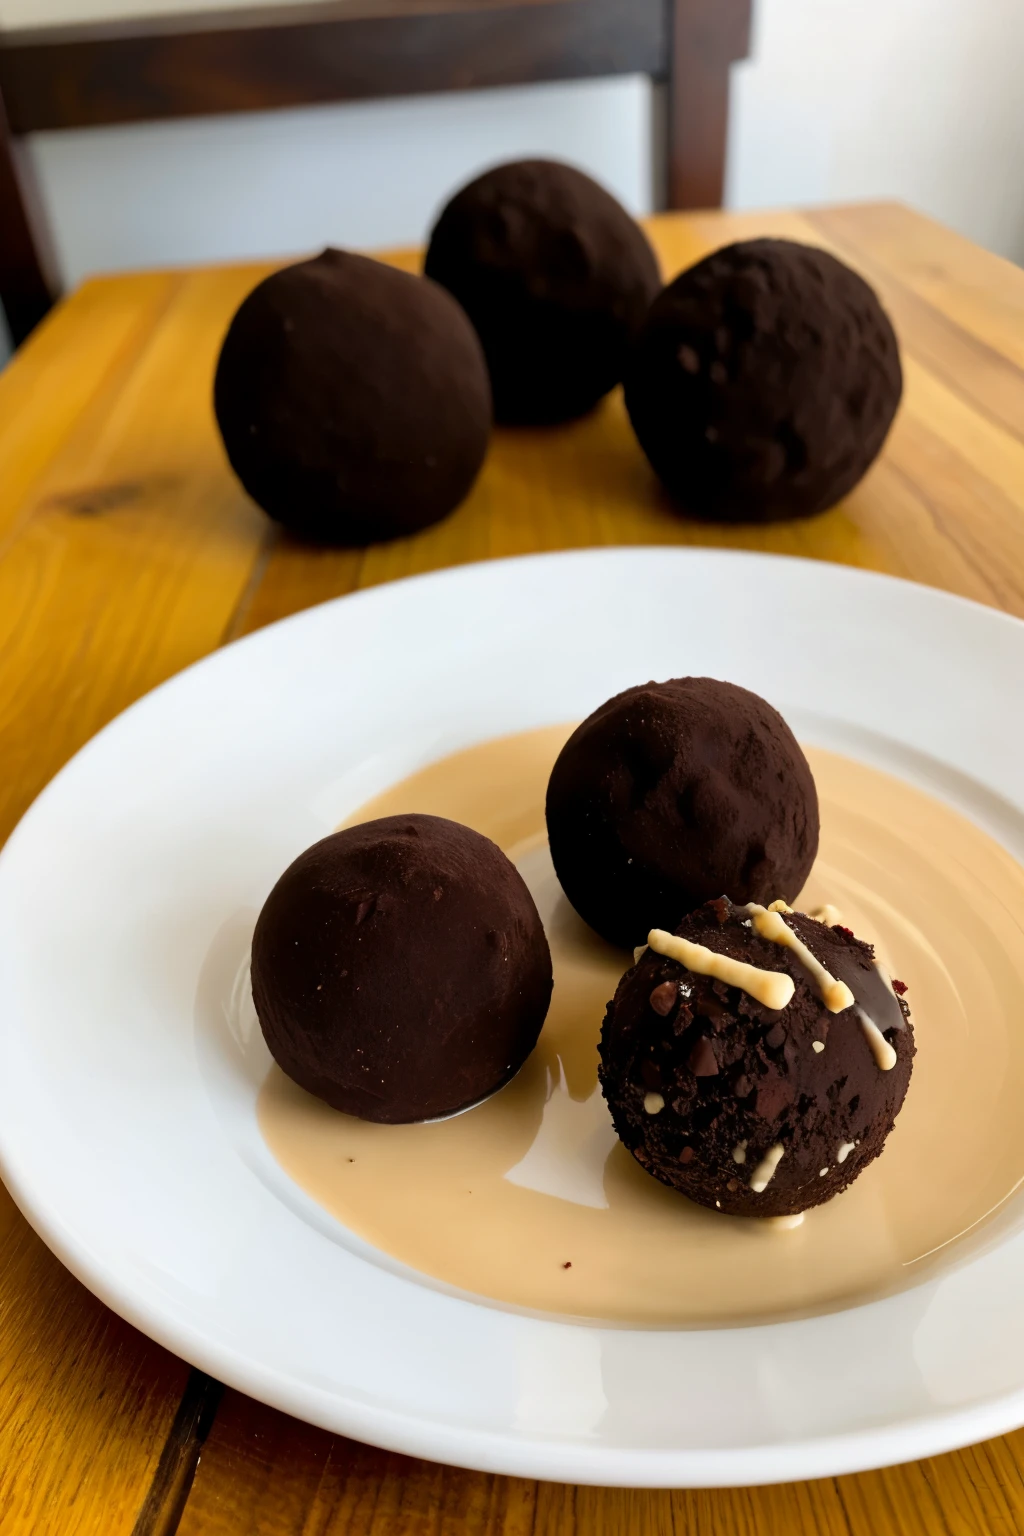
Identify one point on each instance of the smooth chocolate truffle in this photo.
(353, 399)
(763, 382)
(672, 793)
(400, 969)
(752, 1110)
(555, 276)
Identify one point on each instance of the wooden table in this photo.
(127, 550)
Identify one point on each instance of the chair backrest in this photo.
(267, 57)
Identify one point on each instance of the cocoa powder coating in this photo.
(400, 969)
(353, 399)
(764, 382)
(672, 793)
(555, 276)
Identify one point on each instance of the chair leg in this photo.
(25, 288)
(708, 36)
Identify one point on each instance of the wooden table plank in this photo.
(974, 289)
(127, 550)
(337, 1487)
(85, 1402)
(943, 505)
(267, 1475)
(45, 394)
(953, 351)
(132, 550)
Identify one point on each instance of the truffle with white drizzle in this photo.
(777, 1049)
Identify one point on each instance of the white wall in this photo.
(362, 174)
(918, 99)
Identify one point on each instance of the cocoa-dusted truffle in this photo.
(400, 969)
(756, 1110)
(353, 399)
(764, 382)
(555, 276)
(672, 793)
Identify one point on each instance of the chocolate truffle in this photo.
(400, 970)
(763, 382)
(672, 793)
(751, 1109)
(352, 399)
(555, 276)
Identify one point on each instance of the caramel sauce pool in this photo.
(501, 1199)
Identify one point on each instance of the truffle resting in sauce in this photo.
(672, 793)
(756, 1059)
(400, 969)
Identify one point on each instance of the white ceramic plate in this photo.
(127, 1087)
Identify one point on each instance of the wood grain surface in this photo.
(127, 550)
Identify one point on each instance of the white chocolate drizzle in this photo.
(773, 989)
(739, 1152)
(765, 1170)
(827, 914)
(653, 1103)
(885, 1056)
(844, 1151)
(784, 1223)
(817, 1046)
(768, 922)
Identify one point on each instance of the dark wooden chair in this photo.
(252, 60)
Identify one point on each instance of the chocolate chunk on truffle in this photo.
(400, 970)
(777, 1126)
(353, 399)
(555, 276)
(764, 382)
(671, 793)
